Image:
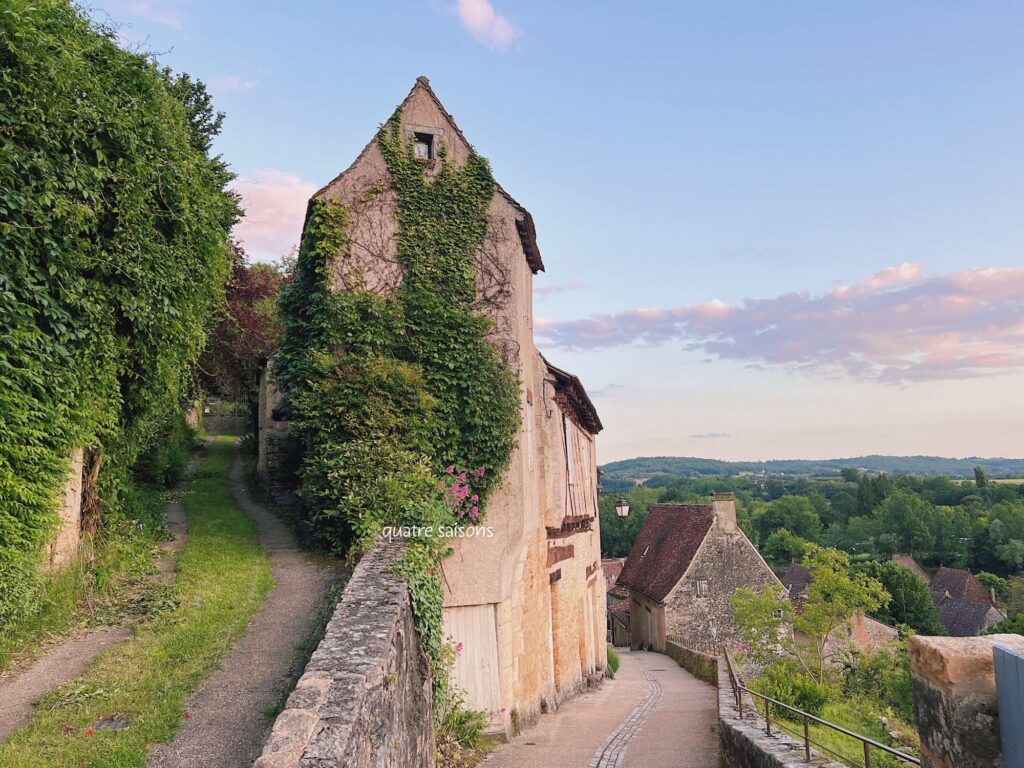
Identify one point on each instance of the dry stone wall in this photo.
(364, 700)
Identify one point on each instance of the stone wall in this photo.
(955, 702)
(698, 664)
(727, 561)
(68, 537)
(365, 697)
(744, 743)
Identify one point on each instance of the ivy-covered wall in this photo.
(114, 224)
(404, 412)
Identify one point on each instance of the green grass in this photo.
(861, 717)
(112, 586)
(613, 662)
(223, 578)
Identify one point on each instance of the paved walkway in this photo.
(654, 714)
(231, 715)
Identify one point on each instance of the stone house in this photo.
(966, 608)
(686, 564)
(526, 606)
(863, 632)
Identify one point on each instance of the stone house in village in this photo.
(862, 632)
(966, 608)
(527, 605)
(686, 564)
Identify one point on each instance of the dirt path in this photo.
(654, 714)
(20, 691)
(230, 716)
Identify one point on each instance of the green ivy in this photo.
(388, 391)
(113, 249)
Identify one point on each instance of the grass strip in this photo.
(223, 579)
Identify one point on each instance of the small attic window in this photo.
(424, 145)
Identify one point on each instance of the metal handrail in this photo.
(868, 744)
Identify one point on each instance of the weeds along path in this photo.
(135, 694)
(231, 715)
(71, 656)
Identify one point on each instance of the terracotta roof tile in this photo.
(963, 618)
(665, 547)
(796, 579)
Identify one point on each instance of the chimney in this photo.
(724, 507)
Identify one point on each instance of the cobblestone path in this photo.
(654, 714)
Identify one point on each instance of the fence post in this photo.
(867, 755)
(768, 717)
(807, 740)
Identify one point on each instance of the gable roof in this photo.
(665, 547)
(960, 584)
(796, 579)
(612, 567)
(525, 227)
(963, 618)
(573, 400)
(906, 561)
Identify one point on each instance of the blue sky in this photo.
(714, 187)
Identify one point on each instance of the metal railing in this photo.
(738, 689)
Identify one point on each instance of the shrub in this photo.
(786, 682)
(613, 662)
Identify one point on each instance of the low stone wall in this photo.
(744, 744)
(955, 702)
(365, 698)
(698, 664)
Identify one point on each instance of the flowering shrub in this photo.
(458, 492)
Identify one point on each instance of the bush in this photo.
(613, 662)
(882, 676)
(786, 682)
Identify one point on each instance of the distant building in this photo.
(906, 561)
(612, 567)
(966, 608)
(617, 599)
(863, 632)
(687, 563)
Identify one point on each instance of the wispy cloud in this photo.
(605, 390)
(486, 24)
(232, 84)
(166, 13)
(275, 206)
(709, 435)
(547, 290)
(898, 325)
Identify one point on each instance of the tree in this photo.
(784, 547)
(246, 334)
(910, 602)
(769, 623)
(794, 513)
(992, 582)
(911, 518)
(980, 478)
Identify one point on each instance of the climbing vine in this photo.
(405, 413)
(113, 249)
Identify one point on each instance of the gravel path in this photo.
(654, 714)
(21, 690)
(231, 715)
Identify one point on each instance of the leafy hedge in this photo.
(113, 248)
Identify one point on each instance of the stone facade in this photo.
(273, 465)
(65, 544)
(528, 602)
(955, 703)
(364, 700)
(696, 608)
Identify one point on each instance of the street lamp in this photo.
(622, 507)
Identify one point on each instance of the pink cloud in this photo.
(275, 206)
(547, 290)
(896, 326)
(486, 24)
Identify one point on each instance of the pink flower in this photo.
(475, 498)
(462, 477)
(480, 471)
(451, 469)
(474, 513)
(458, 648)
